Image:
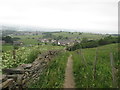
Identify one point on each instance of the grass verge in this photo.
(53, 76)
(84, 73)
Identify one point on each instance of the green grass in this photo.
(76, 34)
(92, 36)
(27, 41)
(53, 76)
(28, 36)
(25, 55)
(7, 47)
(84, 74)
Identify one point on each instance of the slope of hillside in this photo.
(53, 76)
(92, 67)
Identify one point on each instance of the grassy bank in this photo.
(90, 73)
(7, 47)
(24, 55)
(53, 76)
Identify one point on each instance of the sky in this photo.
(99, 16)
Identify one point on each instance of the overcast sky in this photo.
(99, 16)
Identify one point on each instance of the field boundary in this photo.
(21, 76)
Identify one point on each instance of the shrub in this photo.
(90, 44)
(32, 56)
(85, 43)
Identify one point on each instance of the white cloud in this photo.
(89, 15)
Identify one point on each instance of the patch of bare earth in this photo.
(69, 78)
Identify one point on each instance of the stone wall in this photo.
(21, 76)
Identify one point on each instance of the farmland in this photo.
(95, 58)
(24, 55)
(59, 44)
(83, 69)
(7, 47)
(32, 39)
(28, 39)
(35, 39)
(53, 76)
(84, 61)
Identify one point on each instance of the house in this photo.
(77, 41)
(43, 40)
(2, 42)
(58, 43)
(52, 41)
(17, 43)
(64, 42)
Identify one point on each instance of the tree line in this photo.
(9, 39)
(85, 43)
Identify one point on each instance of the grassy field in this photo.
(29, 39)
(24, 55)
(76, 34)
(86, 75)
(53, 76)
(32, 39)
(91, 66)
(7, 47)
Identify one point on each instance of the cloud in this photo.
(89, 15)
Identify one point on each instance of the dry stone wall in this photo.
(18, 78)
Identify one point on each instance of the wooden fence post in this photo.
(14, 53)
(95, 64)
(114, 83)
(83, 58)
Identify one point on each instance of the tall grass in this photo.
(53, 76)
(24, 55)
(6, 47)
(32, 56)
(84, 75)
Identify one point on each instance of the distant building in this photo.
(52, 41)
(2, 42)
(59, 43)
(17, 43)
(65, 42)
(46, 41)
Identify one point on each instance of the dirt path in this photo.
(69, 79)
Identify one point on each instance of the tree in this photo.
(80, 33)
(66, 37)
(84, 40)
(59, 37)
(50, 39)
(7, 39)
(48, 35)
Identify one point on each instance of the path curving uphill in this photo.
(69, 78)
